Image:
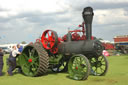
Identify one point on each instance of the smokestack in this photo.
(88, 16)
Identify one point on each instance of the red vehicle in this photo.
(108, 46)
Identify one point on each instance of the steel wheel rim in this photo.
(99, 65)
(29, 62)
(77, 68)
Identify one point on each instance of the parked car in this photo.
(6, 50)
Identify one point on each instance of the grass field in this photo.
(117, 75)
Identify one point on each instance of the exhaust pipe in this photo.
(88, 17)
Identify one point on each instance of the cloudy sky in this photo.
(25, 20)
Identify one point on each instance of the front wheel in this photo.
(99, 65)
(79, 67)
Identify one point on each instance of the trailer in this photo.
(121, 43)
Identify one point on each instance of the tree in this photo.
(23, 42)
(100, 39)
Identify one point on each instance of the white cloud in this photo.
(25, 20)
(110, 16)
(110, 1)
(16, 6)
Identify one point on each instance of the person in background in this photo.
(20, 48)
(1, 61)
(12, 60)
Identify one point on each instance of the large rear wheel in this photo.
(34, 60)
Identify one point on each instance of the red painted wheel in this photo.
(54, 50)
(49, 39)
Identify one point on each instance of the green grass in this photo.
(117, 75)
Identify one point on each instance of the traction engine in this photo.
(80, 55)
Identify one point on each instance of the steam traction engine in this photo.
(79, 55)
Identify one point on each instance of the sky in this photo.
(25, 20)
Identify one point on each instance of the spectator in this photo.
(12, 60)
(1, 61)
(20, 48)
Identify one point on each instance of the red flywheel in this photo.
(49, 39)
